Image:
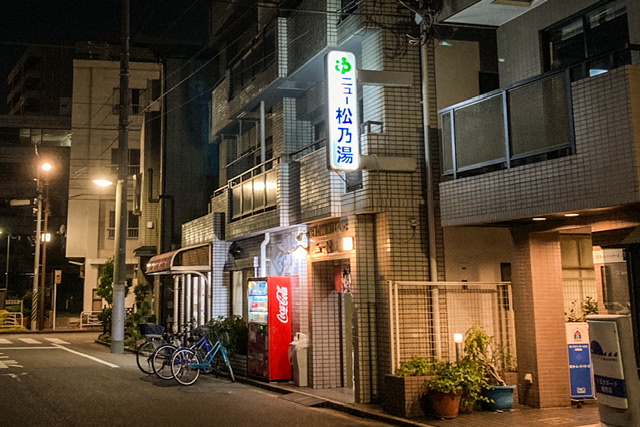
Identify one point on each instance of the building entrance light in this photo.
(102, 182)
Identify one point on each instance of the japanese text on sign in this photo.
(343, 137)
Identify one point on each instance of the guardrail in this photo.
(11, 320)
(89, 318)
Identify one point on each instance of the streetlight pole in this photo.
(120, 261)
(45, 236)
(36, 260)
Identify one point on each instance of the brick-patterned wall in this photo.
(602, 172)
(538, 304)
(307, 33)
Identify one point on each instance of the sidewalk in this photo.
(342, 400)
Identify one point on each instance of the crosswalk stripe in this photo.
(29, 341)
(4, 341)
(56, 341)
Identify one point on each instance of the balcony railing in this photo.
(132, 233)
(528, 122)
(254, 191)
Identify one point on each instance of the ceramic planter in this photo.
(444, 405)
(502, 397)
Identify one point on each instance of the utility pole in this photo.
(120, 260)
(36, 262)
(45, 242)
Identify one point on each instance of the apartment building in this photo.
(545, 165)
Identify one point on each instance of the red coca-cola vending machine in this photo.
(269, 300)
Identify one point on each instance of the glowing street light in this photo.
(102, 182)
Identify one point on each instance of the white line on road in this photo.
(29, 341)
(4, 341)
(28, 348)
(87, 356)
(6, 364)
(56, 340)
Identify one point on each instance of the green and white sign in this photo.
(343, 136)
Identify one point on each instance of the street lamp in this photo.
(6, 271)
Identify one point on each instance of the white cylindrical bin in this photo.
(298, 353)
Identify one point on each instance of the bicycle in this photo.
(187, 363)
(153, 339)
(161, 357)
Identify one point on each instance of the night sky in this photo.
(65, 22)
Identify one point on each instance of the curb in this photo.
(335, 405)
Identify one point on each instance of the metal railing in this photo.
(12, 320)
(89, 318)
(527, 122)
(424, 316)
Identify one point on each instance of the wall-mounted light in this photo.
(45, 237)
(539, 218)
(347, 243)
(102, 182)
(569, 215)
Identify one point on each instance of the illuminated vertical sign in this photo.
(343, 136)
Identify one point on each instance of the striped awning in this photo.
(194, 258)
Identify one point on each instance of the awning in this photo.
(192, 258)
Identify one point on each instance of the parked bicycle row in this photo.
(182, 355)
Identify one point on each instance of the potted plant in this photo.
(452, 382)
(405, 390)
(492, 361)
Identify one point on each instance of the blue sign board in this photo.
(580, 367)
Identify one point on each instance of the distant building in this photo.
(40, 83)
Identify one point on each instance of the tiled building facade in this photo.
(475, 224)
(554, 202)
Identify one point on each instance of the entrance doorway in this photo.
(331, 325)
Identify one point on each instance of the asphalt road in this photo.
(69, 380)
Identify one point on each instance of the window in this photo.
(136, 97)
(134, 161)
(591, 36)
(132, 225)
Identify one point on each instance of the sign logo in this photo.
(343, 134)
(282, 295)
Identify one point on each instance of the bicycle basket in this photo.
(223, 337)
(151, 329)
(202, 331)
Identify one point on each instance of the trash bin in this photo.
(298, 350)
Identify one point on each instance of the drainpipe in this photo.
(425, 44)
(263, 136)
(263, 254)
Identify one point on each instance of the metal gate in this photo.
(424, 316)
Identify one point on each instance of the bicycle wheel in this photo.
(182, 366)
(227, 362)
(143, 356)
(161, 361)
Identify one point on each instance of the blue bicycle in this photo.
(187, 363)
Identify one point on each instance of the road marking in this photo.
(6, 364)
(28, 348)
(4, 341)
(87, 356)
(56, 340)
(29, 341)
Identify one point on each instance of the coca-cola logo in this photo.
(282, 295)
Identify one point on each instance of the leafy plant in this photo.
(417, 366)
(235, 329)
(105, 290)
(462, 377)
(578, 314)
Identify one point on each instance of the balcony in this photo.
(528, 122)
(553, 144)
